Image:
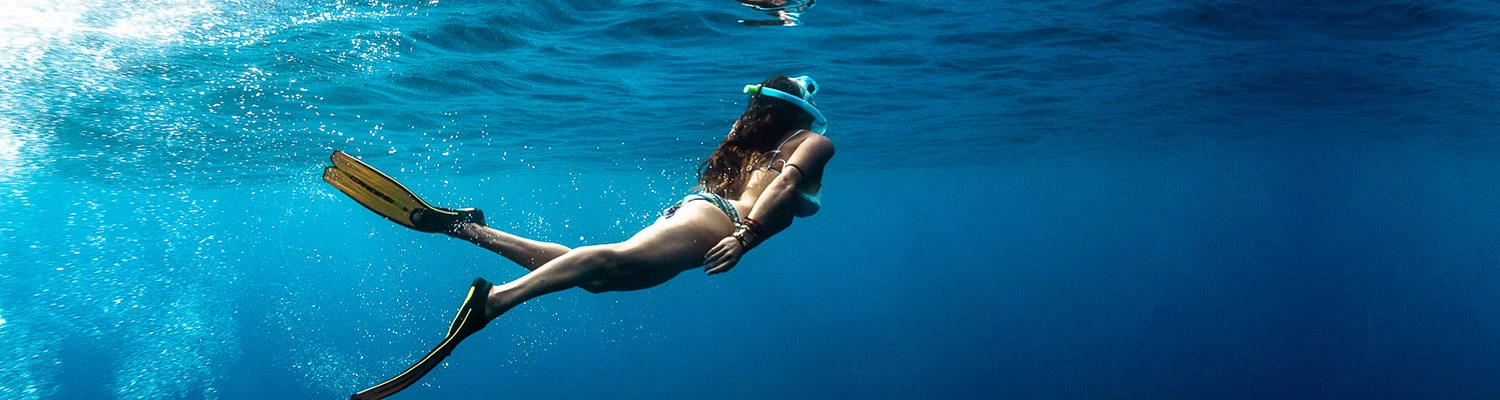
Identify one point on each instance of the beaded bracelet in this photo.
(753, 225)
(740, 237)
(750, 228)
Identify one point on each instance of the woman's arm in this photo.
(775, 206)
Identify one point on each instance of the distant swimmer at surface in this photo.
(787, 12)
(765, 173)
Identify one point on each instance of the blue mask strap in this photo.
(819, 124)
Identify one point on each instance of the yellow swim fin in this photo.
(392, 200)
(471, 318)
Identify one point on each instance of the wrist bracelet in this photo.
(753, 225)
(740, 236)
(751, 228)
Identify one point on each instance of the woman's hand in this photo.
(723, 256)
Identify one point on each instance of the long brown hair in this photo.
(765, 120)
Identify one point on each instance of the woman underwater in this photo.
(766, 172)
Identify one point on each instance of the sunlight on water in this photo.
(59, 53)
(10, 150)
(36, 34)
(30, 23)
(161, 24)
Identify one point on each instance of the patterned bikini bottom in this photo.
(717, 200)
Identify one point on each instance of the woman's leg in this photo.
(527, 253)
(651, 257)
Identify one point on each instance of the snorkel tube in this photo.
(819, 124)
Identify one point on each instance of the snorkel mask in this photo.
(810, 87)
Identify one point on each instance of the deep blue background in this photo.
(1143, 200)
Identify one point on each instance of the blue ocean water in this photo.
(1040, 200)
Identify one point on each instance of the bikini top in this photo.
(807, 203)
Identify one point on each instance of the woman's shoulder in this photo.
(814, 148)
(817, 143)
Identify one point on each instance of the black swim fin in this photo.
(470, 319)
(383, 195)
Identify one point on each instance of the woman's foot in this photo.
(442, 220)
(467, 230)
(473, 315)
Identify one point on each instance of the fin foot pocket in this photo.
(443, 220)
